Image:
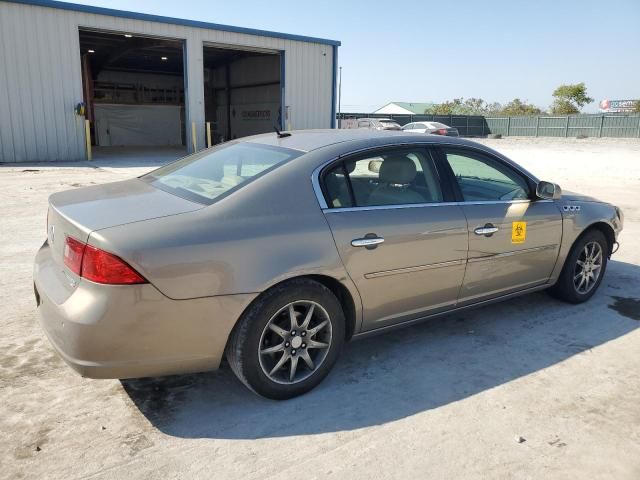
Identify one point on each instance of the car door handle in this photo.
(487, 230)
(368, 242)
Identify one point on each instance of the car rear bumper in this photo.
(127, 331)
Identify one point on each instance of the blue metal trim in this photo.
(333, 86)
(171, 20)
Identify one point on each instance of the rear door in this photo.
(514, 238)
(402, 241)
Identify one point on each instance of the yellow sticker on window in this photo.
(518, 232)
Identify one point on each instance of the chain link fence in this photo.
(598, 125)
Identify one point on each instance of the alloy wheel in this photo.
(588, 268)
(295, 342)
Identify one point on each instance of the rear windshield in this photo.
(438, 125)
(206, 176)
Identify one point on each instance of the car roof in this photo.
(352, 138)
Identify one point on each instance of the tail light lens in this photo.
(73, 253)
(97, 265)
(441, 131)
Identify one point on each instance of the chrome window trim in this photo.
(315, 177)
(435, 204)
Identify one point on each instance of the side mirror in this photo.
(548, 191)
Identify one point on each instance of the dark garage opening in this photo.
(242, 91)
(134, 94)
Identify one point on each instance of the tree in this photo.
(517, 107)
(570, 98)
(460, 106)
(563, 107)
(636, 107)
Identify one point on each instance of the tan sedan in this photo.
(278, 248)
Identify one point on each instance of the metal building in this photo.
(147, 80)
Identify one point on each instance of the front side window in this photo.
(390, 178)
(481, 178)
(206, 175)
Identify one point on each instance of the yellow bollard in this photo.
(193, 137)
(208, 134)
(87, 135)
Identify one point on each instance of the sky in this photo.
(432, 51)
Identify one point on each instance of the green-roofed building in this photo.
(406, 108)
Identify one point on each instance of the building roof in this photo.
(414, 107)
(171, 20)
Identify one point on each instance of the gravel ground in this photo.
(530, 388)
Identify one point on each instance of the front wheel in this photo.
(288, 340)
(583, 269)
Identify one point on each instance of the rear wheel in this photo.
(288, 340)
(583, 269)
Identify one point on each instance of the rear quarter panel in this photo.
(270, 230)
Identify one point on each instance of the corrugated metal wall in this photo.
(40, 77)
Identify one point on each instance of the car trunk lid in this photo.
(77, 213)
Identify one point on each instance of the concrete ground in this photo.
(530, 388)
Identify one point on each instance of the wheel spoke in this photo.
(274, 349)
(598, 256)
(280, 331)
(581, 263)
(281, 362)
(311, 332)
(292, 318)
(307, 318)
(581, 282)
(294, 367)
(316, 344)
(307, 359)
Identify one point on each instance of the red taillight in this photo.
(97, 265)
(73, 252)
(441, 131)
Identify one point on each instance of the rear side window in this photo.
(398, 177)
(205, 176)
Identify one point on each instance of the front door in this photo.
(402, 245)
(514, 238)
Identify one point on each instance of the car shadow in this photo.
(392, 376)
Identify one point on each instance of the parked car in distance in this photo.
(378, 124)
(434, 128)
(275, 251)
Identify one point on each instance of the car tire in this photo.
(264, 345)
(571, 286)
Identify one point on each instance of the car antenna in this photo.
(281, 134)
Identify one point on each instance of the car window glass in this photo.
(206, 175)
(390, 178)
(438, 125)
(483, 179)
